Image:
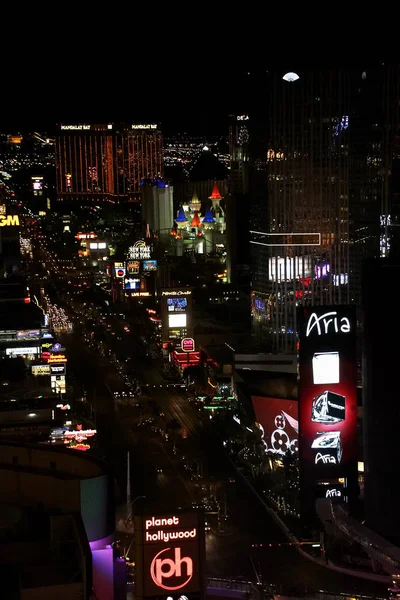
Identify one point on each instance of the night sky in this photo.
(187, 87)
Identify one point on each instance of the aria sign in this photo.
(333, 493)
(326, 322)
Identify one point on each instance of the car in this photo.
(159, 469)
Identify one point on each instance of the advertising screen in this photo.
(119, 272)
(28, 334)
(259, 304)
(58, 369)
(176, 304)
(169, 555)
(149, 265)
(40, 369)
(132, 284)
(21, 351)
(188, 344)
(277, 419)
(37, 183)
(177, 320)
(327, 393)
(132, 267)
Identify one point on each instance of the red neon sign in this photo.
(170, 546)
(188, 344)
(158, 573)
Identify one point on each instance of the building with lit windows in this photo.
(106, 162)
(157, 207)
(59, 522)
(323, 179)
(301, 254)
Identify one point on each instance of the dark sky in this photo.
(196, 97)
(186, 85)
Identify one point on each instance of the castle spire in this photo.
(215, 195)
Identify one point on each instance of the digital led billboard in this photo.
(169, 555)
(176, 304)
(178, 320)
(149, 265)
(327, 394)
(133, 267)
(277, 419)
(132, 284)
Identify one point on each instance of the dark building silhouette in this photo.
(381, 334)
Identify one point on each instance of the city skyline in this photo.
(198, 339)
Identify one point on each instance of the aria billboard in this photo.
(170, 555)
(277, 420)
(327, 396)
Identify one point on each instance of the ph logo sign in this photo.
(171, 572)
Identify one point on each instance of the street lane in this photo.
(228, 555)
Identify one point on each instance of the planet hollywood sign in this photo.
(170, 570)
(165, 536)
(169, 551)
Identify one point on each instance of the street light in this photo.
(130, 516)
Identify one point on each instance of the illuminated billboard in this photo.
(40, 370)
(21, 351)
(328, 396)
(139, 251)
(58, 369)
(28, 334)
(8, 221)
(277, 420)
(132, 284)
(149, 265)
(176, 304)
(178, 320)
(133, 267)
(169, 555)
(188, 345)
(119, 272)
(37, 184)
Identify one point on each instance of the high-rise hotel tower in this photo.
(303, 252)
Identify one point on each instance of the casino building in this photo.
(58, 516)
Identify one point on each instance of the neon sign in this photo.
(188, 344)
(158, 574)
(145, 126)
(315, 322)
(176, 293)
(333, 493)
(139, 251)
(10, 220)
(170, 550)
(325, 458)
(75, 127)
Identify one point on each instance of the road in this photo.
(228, 555)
